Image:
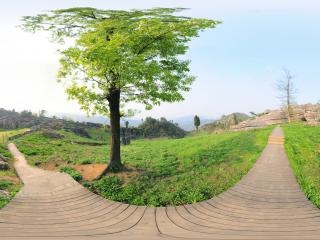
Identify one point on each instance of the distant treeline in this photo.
(149, 128)
(27, 119)
(152, 128)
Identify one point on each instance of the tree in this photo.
(152, 128)
(287, 92)
(42, 113)
(121, 56)
(196, 121)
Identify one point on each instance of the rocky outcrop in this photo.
(309, 113)
(3, 163)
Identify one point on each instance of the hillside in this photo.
(159, 172)
(309, 113)
(225, 122)
(27, 119)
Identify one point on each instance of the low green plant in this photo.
(4, 184)
(163, 171)
(72, 172)
(302, 143)
(85, 161)
(8, 188)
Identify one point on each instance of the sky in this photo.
(236, 64)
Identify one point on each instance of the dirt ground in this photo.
(90, 172)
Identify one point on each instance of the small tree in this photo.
(287, 92)
(196, 121)
(121, 56)
(42, 113)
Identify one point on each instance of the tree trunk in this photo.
(114, 107)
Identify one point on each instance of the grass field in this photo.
(9, 182)
(5, 134)
(10, 188)
(161, 171)
(303, 148)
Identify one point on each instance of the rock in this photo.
(4, 165)
(52, 134)
(3, 158)
(309, 113)
(4, 194)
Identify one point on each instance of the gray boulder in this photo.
(3, 158)
(4, 194)
(4, 165)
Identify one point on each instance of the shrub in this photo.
(109, 187)
(72, 172)
(4, 184)
(85, 161)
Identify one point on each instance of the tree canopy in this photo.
(196, 121)
(152, 128)
(135, 51)
(116, 57)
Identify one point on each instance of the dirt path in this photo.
(266, 204)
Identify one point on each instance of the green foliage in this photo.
(72, 172)
(136, 52)
(6, 134)
(71, 149)
(196, 121)
(4, 184)
(99, 134)
(9, 187)
(185, 170)
(152, 128)
(303, 147)
(167, 171)
(85, 161)
(4, 152)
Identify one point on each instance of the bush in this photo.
(85, 161)
(72, 172)
(4, 184)
(109, 187)
(152, 128)
(52, 134)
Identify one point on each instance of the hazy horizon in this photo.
(236, 64)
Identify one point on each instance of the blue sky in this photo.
(236, 64)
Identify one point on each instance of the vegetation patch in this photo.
(158, 172)
(302, 144)
(6, 134)
(71, 149)
(72, 172)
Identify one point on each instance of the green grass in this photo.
(72, 172)
(161, 171)
(99, 134)
(9, 182)
(71, 149)
(9, 187)
(5, 134)
(303, 148)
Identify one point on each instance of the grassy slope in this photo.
(9, 182)
(303, 148)
(71, 149)
(165, 171)
(5, 134)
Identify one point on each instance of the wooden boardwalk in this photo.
(266, 204)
